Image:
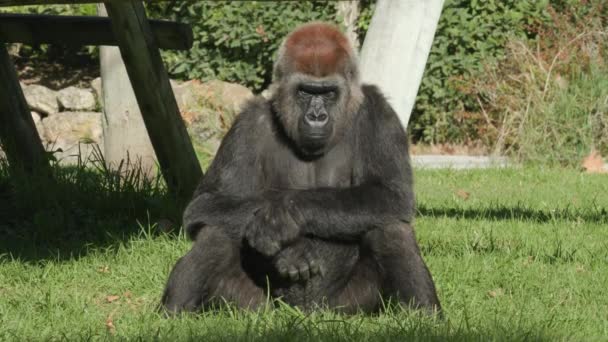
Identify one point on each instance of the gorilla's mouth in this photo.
(314, 144)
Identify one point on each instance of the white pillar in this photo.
(396, 49)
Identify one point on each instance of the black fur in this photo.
(332, 230)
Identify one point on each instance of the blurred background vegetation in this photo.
(524, 78)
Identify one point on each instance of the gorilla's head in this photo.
(317, 89)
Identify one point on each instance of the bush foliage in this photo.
(470, 33)
(547, 100)
(235, 41)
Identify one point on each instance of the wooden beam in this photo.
(18, 133)
(5, 3)
(83, 30)
(178, 162)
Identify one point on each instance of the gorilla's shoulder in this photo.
(255, 106)
(376, 104)
(371, 91)
(254, 110)
(374, 98)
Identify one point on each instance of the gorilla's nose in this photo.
(316, 119)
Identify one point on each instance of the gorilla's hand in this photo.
(299, 261)
(272, 226)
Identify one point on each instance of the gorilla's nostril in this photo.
(316, 118)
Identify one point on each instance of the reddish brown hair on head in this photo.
(317, 49)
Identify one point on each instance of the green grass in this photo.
(517, 254)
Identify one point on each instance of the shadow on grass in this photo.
(83, 206)
(285, 323)
(519, 212)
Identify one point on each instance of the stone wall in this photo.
(69, 121)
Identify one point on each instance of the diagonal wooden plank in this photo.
(150, 81)
(18, 132)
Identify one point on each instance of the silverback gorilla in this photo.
(309, 198)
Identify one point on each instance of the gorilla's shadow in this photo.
(503, 212)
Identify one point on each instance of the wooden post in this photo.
(124, 131)
(18, 132)
(396, 49)
(150, 82)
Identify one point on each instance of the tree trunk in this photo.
(396, 49)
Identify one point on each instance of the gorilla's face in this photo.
(311, 111)
(316, 103)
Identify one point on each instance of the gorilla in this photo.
(309, 198)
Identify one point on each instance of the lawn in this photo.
(517, 254)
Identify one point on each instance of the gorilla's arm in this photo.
(385, 192)
(227, 195)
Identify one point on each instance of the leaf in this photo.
(103, 269)
(496, 293)
(110, 325)
(594, 163)
(112, 298)
(463, 194)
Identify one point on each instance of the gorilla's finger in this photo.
(280, 262)
(293, 273)
(267, 247)
(283, 271)
(304, 271)
(314, 267)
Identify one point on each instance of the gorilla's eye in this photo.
(303, 93)
(330, 95)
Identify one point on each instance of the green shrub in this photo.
(235, 40)
(469, 34)
(547, 100)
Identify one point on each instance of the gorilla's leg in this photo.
(210, 273)
(390, 266)
(404, 275)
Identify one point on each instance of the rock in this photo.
(226, 95)
(72, 132)
(209, 109)
(269, 92)
(38, 122)
(214, 94)
(76, 99)
(41, 99)
(174, 83)
(97, 89)
(36, 118)
(206, 130)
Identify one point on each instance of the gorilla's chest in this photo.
(284, 170)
